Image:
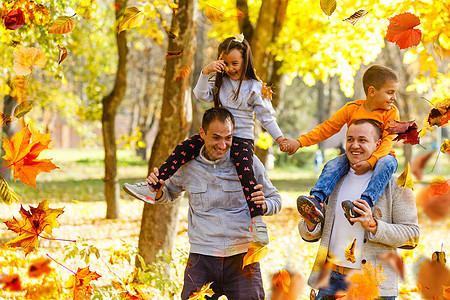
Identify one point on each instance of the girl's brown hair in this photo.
(248, 72)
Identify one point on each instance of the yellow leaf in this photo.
(328, 6)
(86, 8)
(172, 32)
(202, 293)
(216, 15)
(366, 285)
(350, 252)
(23, 108)
(283, 281)
(20, 89)
(6, 193)
(256, 252)
(445, 147)
(27, 57)
(62, 25)
(132, 17)
(405, 179)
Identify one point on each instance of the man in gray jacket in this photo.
(218, 218)
(347, 244)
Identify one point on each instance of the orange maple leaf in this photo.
(401, 30)
(38, 219)
(22, 152)
(39, 266)
(80, 283)
(366, 285)
(282, 280)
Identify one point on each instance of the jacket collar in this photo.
(216, 162)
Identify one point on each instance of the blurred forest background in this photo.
(121, 91)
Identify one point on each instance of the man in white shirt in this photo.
(394, 226)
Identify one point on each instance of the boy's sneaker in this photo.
(310, 209)
(259, 230)
(141, 190)
(349, 211)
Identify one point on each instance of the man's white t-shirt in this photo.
(343, 234)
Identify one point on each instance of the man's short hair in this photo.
(216, 113)
(377, 76)
(375, 124)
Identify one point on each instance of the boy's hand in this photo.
(215, 66)
(292, 145)
(153, 179)
(284, 147)
(361, 167)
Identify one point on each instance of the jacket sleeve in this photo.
(264, 111)
(326, 129)
(203, 91)
(173, 189)
(404, 230)
(386, 139)
(273, 198)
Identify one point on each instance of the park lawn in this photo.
(78, 187)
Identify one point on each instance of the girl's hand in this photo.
(216, 66)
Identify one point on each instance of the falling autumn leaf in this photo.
(282, 280)
(23, 108)
(266, 91)
(32, 224)
(401, 30)
(132, 17)
(80, 283)
(41, 15)
(172, 32)
(27, 57)
(62, 25)
(62, 53)
(182, 72)
(22, 152)
(39, 266)
(439, 256)
(439, 115)
(419, 163)
(350, 252)
(202, 293)
(445, 147)
(20, 88)
(356, 16)
(173, 54)
(328, 6)
(406, 131)
(12, 283)
(446, 291)
(433, 276)
(405, 179)
(366, 285)
(256, 252)
(393, 260)
(14, 19)
(6, 193)
(438, 186)
(173, 6)
(216, 15)
(5, 120)
(436, 208)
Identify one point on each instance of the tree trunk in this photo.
(320, 104)
(159, 222)
(9, 104)
(110, 104)
(245, 26)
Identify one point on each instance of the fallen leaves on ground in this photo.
(22, 152)
(256, 252)
(365, 285)
(401, 30)
(80, 283)
(33, 223)
(202, 293)
(405, 179)
(406, 131)
(27, 57)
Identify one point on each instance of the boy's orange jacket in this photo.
(349, 113)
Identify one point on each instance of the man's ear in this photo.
(202, 133)
(378, 143)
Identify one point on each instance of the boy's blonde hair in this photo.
(377, 76)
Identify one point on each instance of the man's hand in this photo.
(153, 179)
(361, 167)
(258, 197)
(366, 219)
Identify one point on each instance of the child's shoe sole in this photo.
(307, 207)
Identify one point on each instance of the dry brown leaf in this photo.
(62, 25)
(350, 252)
(356, 16)
(182, 72)
(393, 260)
(173, 54)
(5, 120)
(62, 53)
(432, 276)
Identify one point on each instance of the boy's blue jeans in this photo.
(336, 168)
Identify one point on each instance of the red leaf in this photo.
(406, 131)
(401, 30)
(438, 186)
(14, 19)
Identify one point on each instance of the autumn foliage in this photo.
(401, 30)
